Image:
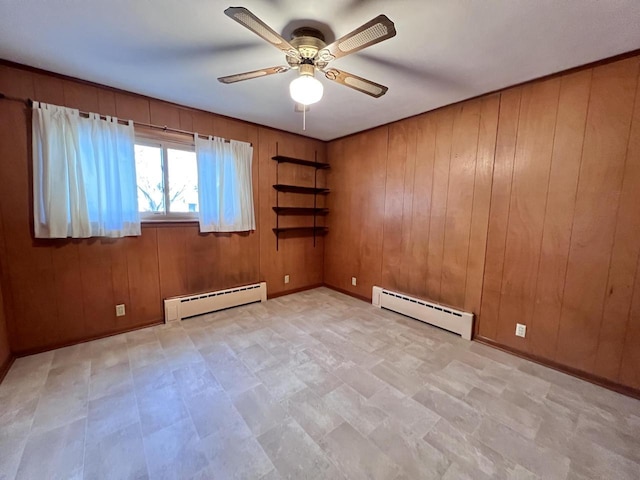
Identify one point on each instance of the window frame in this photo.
(165, 142)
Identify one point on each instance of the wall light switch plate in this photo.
(120, 310)
(521, 330)
(354, 282)
(286, 279)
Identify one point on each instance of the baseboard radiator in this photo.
(179, 308)
(439, 315)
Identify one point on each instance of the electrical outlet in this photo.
(354, 282)
(521, 330)
(120, 310)
(286, 279)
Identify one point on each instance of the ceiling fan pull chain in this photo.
(304, 117)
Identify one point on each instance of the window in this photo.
(167, 176)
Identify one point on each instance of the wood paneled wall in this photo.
(521, 206)
(64, 291)
(411, 205)
(5, 350)
(296, 255)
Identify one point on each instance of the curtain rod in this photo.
(164, 128)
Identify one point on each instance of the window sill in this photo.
(168, 222)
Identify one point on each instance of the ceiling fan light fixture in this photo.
(306, 89)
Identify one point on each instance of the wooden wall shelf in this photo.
(304, 230)
(314, 211)
(298, 161)
(300, 211)
(298, 189)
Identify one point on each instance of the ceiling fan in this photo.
(308, 52)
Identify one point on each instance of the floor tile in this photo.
(280, 381)
(414, 456)
(360, 379)
(160, 408)
(110, 380)
(354, 409)
(195, 378)
(60, 408)
(466, 450)
(313, 413)
(57, 453)
(458, 413)
(515, 417)
(293, 452)
(212, 412)
(356, 456)
(117, 455)
(234, 456)
(405, 410)
(407, 381)
(111, 413)
(259, 410)
(231, 373)
(175, 452)
(255, 357)
(317, 378)
(540, 460)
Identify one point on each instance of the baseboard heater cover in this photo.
(441, 316)
(178, 308)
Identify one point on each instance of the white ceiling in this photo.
(445, 51)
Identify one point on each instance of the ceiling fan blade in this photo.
(372, 32)
(247, 19)
(238, 77)
(357, 83)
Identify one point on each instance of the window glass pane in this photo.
(183, 181)
(150, 179)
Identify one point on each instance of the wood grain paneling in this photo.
(437, 189)
(527, 205)
(462, 166)
(613, 91)
(356, 220)
(295, 256)
(417, 254)
(624, 258)
(521, 207)
(6, 356)
(629, 373)
(58, 292)
(563, 182)
(499, 212)
(481, 202)
(442, 160)
(629, 337)
(161, 113)
(398, 208)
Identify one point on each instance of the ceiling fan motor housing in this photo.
(307, 41)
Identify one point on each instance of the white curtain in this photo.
(84, 175)
(225, 187)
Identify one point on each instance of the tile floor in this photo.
(308, 386)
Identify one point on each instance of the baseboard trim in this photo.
(295, 290)
(347, 292)
(574, 372)
(34, 351)
(4, 368)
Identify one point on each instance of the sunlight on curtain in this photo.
(225, 188)
(84, 175)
